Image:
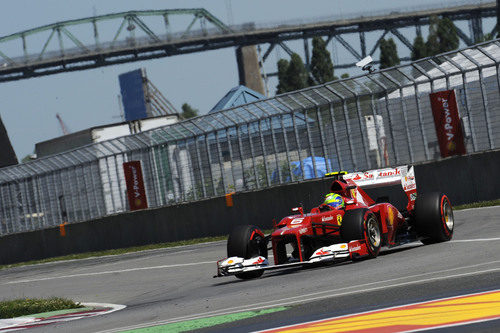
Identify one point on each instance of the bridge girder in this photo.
(157, 44)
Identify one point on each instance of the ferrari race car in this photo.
(357, 230)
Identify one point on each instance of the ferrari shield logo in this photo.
(339, 219)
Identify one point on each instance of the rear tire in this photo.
(245, 241)
(434, 218)
(360, 224)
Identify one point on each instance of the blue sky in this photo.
(89, 98)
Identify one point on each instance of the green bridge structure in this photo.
(141, 35)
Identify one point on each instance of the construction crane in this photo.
(62, 124)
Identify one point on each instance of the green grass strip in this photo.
(27, 306)
(58, 312)
(121, 251)
(196, 324)
(118, 251)
(479, 204)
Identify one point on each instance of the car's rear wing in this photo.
(403, 175)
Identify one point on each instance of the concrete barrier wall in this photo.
(464, 179)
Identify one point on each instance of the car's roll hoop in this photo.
(404, 175)
(336, 175)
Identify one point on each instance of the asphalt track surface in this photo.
(168, 285)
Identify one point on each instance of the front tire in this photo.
(360, 224)
(434, 218)
(246, 241)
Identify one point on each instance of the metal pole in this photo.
(198, 157)
(389, 119)
(297, 138)
(374, 115)
(207, 147)
(228, 138)
(275, 146)
(348, 127)
(309, 138)
(358, 111)
(189, 168)
(285, 139)
(466, 99)
(484, 99)
(419, 112)
(320, 128)
(334, 129)
(264, 154)
(405, 118)
(219, 154)
(238, 129)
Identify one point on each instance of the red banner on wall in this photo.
(447, 122)
(135, 185)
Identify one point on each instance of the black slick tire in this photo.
(434, 218)
(246, 241)
(359, 224)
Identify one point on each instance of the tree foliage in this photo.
(293, 74)
(419, 49)
(388, 54)
(321, 62)
(443, 36)
(296, 73)
(188, 111)
(282, 82)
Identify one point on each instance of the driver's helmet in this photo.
(334, 200)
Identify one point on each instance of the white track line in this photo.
(467, 209)
(114, 307)
(110, 272)
(475, 240)
(314, 296)
(177, 265)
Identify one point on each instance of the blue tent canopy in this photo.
(308, 166)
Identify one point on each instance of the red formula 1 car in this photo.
(357, 230)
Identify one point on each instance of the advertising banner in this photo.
(135, 185)
(447, 122)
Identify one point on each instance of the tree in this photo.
(486, 37)
(188, 111)
(388, 54)
(293, 74)
(282, 84)
(296, 74)
(419, 50)
(432, 44)
(448, 36)
(321, 62)
(443, 36)
(344, 76)
(29, 157)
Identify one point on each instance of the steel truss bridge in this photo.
(140, 35)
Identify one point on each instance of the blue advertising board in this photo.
(131, 88)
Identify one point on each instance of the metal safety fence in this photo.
(371, 121)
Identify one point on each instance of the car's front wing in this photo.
(332, 253)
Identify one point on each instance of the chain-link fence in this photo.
(361, 123)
